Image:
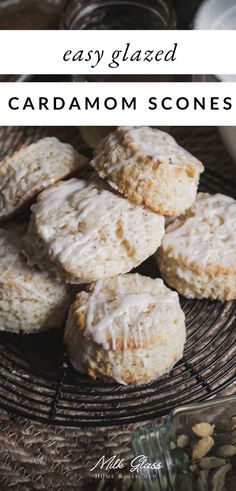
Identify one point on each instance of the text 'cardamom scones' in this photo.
(33, 168)
(30, 300)
(198, 253)
(149, 168)
(86, 232)
(129, 328)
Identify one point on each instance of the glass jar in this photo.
(168, 449)
(119, 14)
(115, 15)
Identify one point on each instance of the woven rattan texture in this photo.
(39, 456)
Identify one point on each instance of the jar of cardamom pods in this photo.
(194, 449)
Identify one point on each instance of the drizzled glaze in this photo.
(136, 320)
(80, 222)
(145, 141)
(207, 234)
(124, 312)
(34, 168)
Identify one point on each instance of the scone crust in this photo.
(129, 328)
(198, 252)
(87, 232)
(32, 169)
(30, 300)
(147, 166)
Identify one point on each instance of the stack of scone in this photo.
(93, 231)
(31, 299)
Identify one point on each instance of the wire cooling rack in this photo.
(37, 381)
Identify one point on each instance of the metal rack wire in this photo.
(37, 381)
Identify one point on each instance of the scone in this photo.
(198, 253)
(149, 168)
(85, 232)
(30, 300)
(129, 328)
(33, 168)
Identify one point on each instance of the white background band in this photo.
(107, 104)
(41, 52)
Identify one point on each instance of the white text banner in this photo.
(111, 104)
(117, 52)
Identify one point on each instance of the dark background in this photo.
(185, 10)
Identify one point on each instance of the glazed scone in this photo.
(129, 328)
(150, 168)
(85, 232)
(30, 300)
(33, 168)
(198, 253)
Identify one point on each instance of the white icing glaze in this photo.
(56, 196)
(33, 168)
(139, 300)
(133, 319)
(118, 314)
(86, 211)
(208, 235)
(105, 311)
(157, 144)
(116, 369)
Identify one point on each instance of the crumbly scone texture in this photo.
(198, 252)
(129, 328)
(150, 168)
(33, 168)
(88, 232)
(30, 300)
